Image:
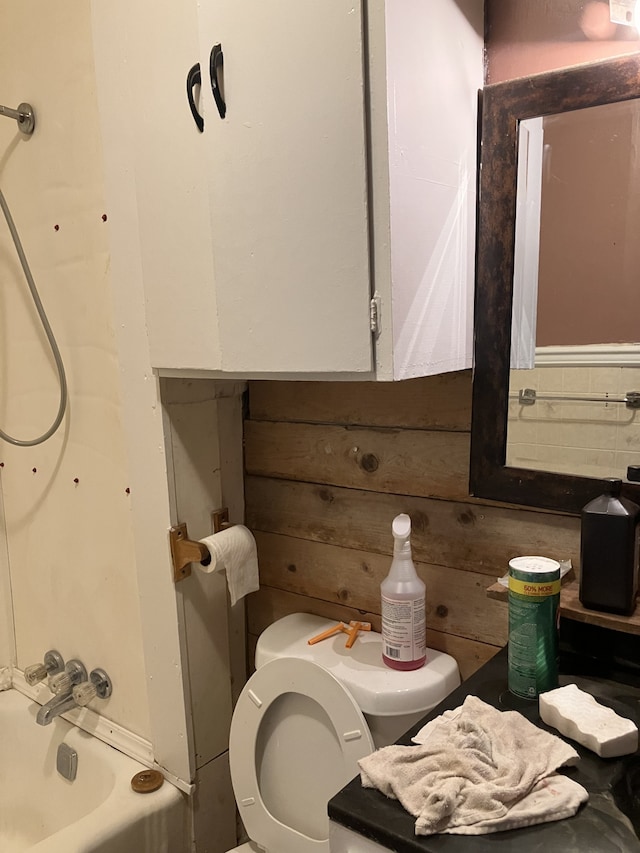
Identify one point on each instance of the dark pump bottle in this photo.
(609, 551)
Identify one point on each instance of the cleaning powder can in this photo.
(534, 595)
(403, 604)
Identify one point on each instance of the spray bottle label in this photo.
(403, 628)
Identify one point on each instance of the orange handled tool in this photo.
(352, 629)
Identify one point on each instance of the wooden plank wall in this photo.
(329, 464)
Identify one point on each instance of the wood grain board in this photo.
(328, 466)
(456, 600)
(434, 402)
(401, 461)
(445, 533)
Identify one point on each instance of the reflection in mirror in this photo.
(558, 318)
(576, 302)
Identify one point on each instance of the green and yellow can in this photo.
(534, 595)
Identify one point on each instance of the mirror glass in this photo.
(574, 389)
(556, 379)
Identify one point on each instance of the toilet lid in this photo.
(296, 737)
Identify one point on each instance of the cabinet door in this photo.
(160, 155)
(434, 66)
(287, 177)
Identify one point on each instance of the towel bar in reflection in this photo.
(529, 397)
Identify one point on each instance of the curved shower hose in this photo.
(48, 331)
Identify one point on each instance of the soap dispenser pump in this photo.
(609, 543)
(403, 604)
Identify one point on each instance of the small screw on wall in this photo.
(104, 217)
(34, 470)
(76, 480)
(56, 227)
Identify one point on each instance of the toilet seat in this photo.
(296, 736)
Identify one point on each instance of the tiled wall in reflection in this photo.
(596, 439)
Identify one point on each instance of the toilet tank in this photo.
(391, 700)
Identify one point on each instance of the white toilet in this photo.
(305, 718)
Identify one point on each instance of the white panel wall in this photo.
(70, 544)
(7, 646)
(203, 431)
(84, 518)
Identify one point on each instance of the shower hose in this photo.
(48, 331)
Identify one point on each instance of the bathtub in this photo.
(42, 812)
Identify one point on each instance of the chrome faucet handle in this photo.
(52, 664)
(74, 673)
(99, 685)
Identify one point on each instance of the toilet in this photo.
(305, 718)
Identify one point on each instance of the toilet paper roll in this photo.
(234, 550)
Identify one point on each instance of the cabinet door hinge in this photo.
(374, 315)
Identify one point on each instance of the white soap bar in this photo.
(579, 716)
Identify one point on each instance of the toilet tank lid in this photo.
(377, 689)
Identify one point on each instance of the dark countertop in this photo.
(610, 821)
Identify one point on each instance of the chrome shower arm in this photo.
(24, 115)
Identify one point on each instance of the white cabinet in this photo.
(286, 175)
(426, 62)
(343, 169)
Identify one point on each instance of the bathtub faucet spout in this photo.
(62, 686)
(58, 705)
(72, 689)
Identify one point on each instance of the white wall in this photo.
(203, 429)
(7, 634)
(70, 545)
(84, 556)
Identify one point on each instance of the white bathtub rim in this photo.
(164, 811)
(90, 826)
(125, 741)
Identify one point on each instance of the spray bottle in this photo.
(403, 609)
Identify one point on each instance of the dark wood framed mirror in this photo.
(506, 108)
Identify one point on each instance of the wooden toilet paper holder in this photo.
(185, 551)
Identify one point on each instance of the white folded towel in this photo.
(477, 770)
